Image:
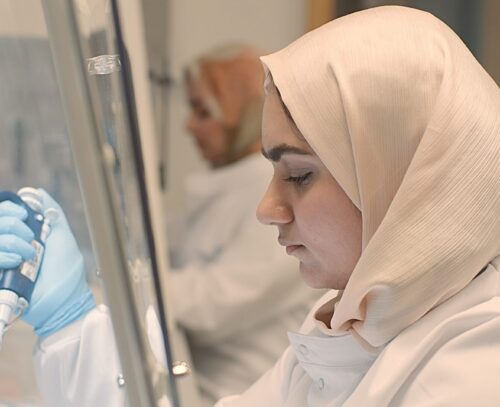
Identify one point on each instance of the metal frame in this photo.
(92, 164)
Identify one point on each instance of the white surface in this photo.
(198, 26)
(32, 23)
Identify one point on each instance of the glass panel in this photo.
(35, 151)
(105, 69)
(103, 66)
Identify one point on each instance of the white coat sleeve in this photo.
(79, 365)
(252, 281)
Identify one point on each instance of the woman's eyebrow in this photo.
(275, 153)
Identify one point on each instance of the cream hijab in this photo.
(408, 123)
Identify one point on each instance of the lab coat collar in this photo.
(324, 313)
(317, 348)
(335, 364)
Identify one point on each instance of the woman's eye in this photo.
(301, 179)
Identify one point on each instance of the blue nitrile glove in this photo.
(61, 295)
(15, 236)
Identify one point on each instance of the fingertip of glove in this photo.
(10, 260)
(9, 208)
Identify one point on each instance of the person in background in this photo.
(235, 291)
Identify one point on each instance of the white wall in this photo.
(195, 26)
(32, 23)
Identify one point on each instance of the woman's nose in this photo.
(272, 209)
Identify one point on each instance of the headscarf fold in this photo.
(408, 123)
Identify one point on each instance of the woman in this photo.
(383, 132)
(384, 135)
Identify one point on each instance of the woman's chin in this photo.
(315, 278)
(311, 276)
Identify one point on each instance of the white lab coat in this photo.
(245, 293)
(450, 357)
(79, 366)
(237, 299)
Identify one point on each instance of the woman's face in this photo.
(208, 131)
(316, 221)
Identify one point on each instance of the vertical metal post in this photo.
(100, 204)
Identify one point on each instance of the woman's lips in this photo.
(290, 249)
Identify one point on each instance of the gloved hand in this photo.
(61, 295)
